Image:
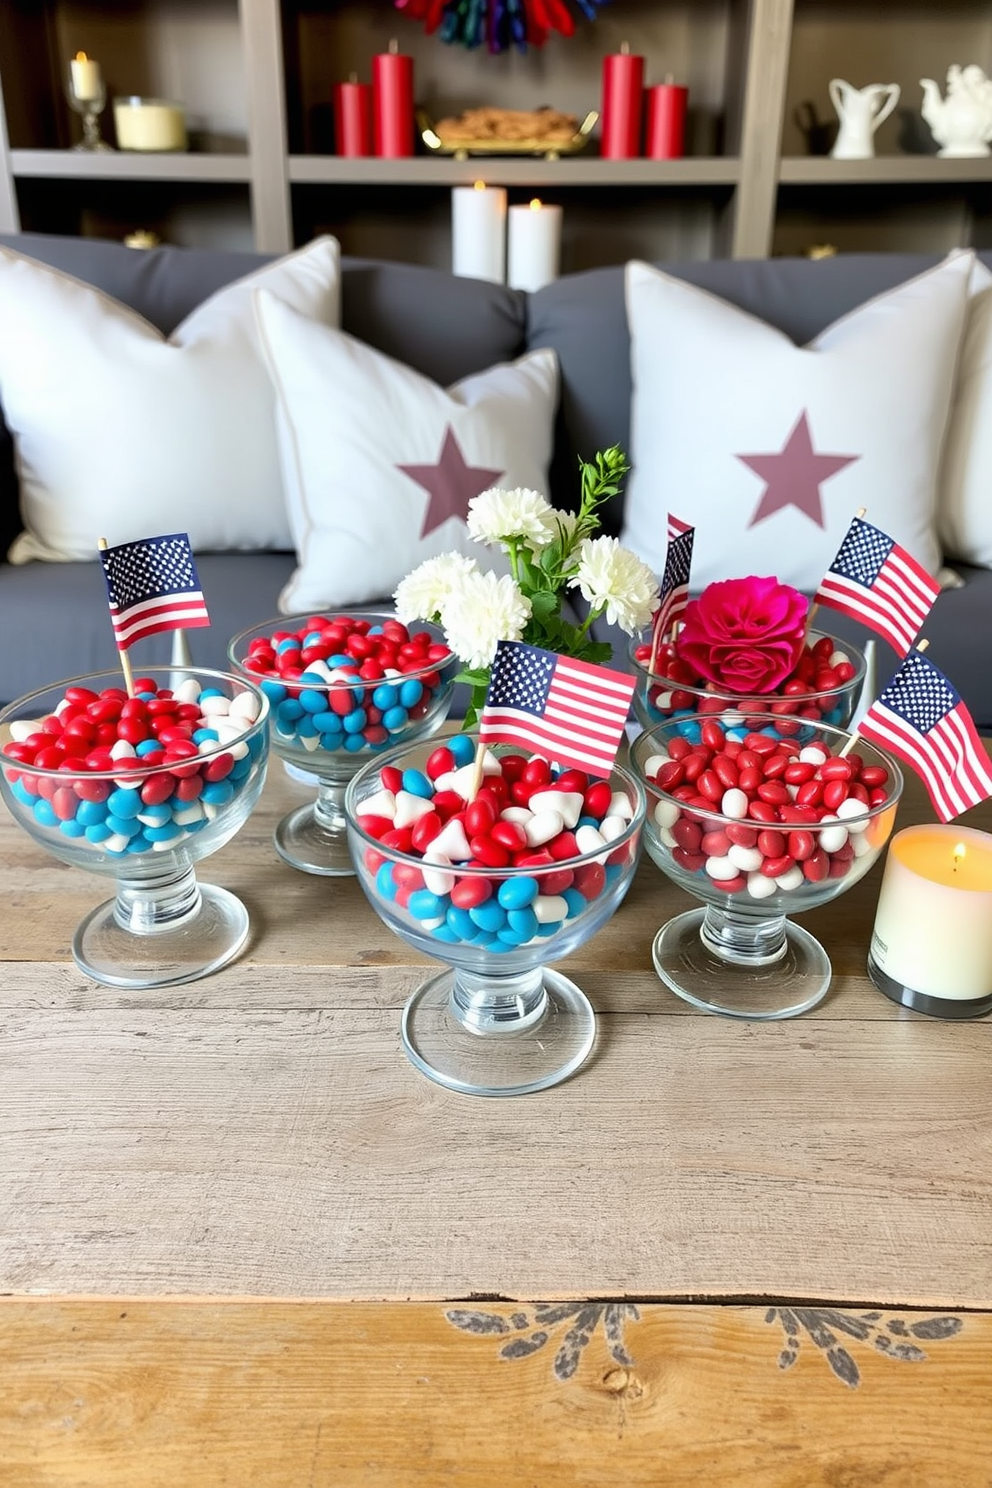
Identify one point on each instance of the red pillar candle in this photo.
(392, 103)
(623, 90)
(353, 118)
(666, 109)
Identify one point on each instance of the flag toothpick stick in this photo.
(125, 660)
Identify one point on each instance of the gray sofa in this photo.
(52, 616)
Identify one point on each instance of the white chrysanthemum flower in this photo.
(496, 516)
(423, 593)
(481, 611)
(560, 527)
(615, 578)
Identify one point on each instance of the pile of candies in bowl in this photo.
(342, 687)
(140, 788)
(824, 685)
(494, 882)
(760, 820)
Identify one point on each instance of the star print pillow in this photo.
(771, 448)
(379, 462)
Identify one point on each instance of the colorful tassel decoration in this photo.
(497, 24)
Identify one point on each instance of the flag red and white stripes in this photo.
(152, 585)
(875, 580)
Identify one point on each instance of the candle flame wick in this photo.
(535, 205)
(958, 855)
(480, 185)
(81, 57)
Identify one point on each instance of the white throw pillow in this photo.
(380, 463)
(964, 506)
(771, 448)
(121, 433)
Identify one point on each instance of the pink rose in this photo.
(746, 635)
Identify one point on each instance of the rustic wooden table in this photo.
(243, 1242)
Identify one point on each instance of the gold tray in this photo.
(466, 148)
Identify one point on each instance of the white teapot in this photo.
(961, 123)
(860, 112)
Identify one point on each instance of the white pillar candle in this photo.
(478, 232)
(87, 81)
(533, 245)
(933, 926)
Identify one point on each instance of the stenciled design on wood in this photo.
(527, 1330)
(889, 1335)
(545, 1319)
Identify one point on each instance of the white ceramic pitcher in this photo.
(860, 111)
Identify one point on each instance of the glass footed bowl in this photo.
(137, 817)
(498, 1021)
(329, 728)
(659, 696)
(751, 857)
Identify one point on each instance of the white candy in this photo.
(520, 815)
(410, 808)
(542, 827)
(747, 859)
(612, 827)
(653, 765)
(246, 705)
(667, 813)
(188, 814)
(215, 706)
(620, 806)
(23, 728)
(188, 691)
(311, 742)
(589, 838)
(760, 887)
(433, 924)
(320, 669)
(851, 808)
(117, 843)
(813, 754)
(380, 803)
(122, 749)
(832, 839)
(860, 844)
(721, 869)
(452, 842)
(837, 658)
(663, 699)
(550, 908)
(665, 836)
(793, 879)
(435, 878)
(568, 804)
(462, 781)
(734, 803)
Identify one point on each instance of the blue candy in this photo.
(395, 719)
(217, 793)
(416, 783)
(462, 748)
(489, 916)
(517, 893)
(384, 884)
(384, 696)
(312, 701)
(411, 691)
(522, 922)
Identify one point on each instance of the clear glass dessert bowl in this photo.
(760, 820)
(140, 789)
(825, 686)
(495, 884)
(341, 688)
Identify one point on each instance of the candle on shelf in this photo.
(533, 245)
(478, 232)
(87, 80)
(666, 110)
(623, 90)
(392, 103)
(149, 124)
(353, 117)
(932, 945)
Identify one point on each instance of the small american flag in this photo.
(570, 710)
(875, 580)
(675, 580)
(920, 717)
(152, 585)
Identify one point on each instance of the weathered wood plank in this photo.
(207, 1394)
(297, 1152)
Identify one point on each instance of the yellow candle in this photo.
(933, 926)
(87, 81)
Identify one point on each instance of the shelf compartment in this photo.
(879, 217)
(208, 214)
(413, 222)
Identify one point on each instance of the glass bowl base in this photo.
(303, 842)
(201, 944)
(503, 1061)
(792, 984)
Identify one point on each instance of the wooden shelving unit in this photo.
(257, 76)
